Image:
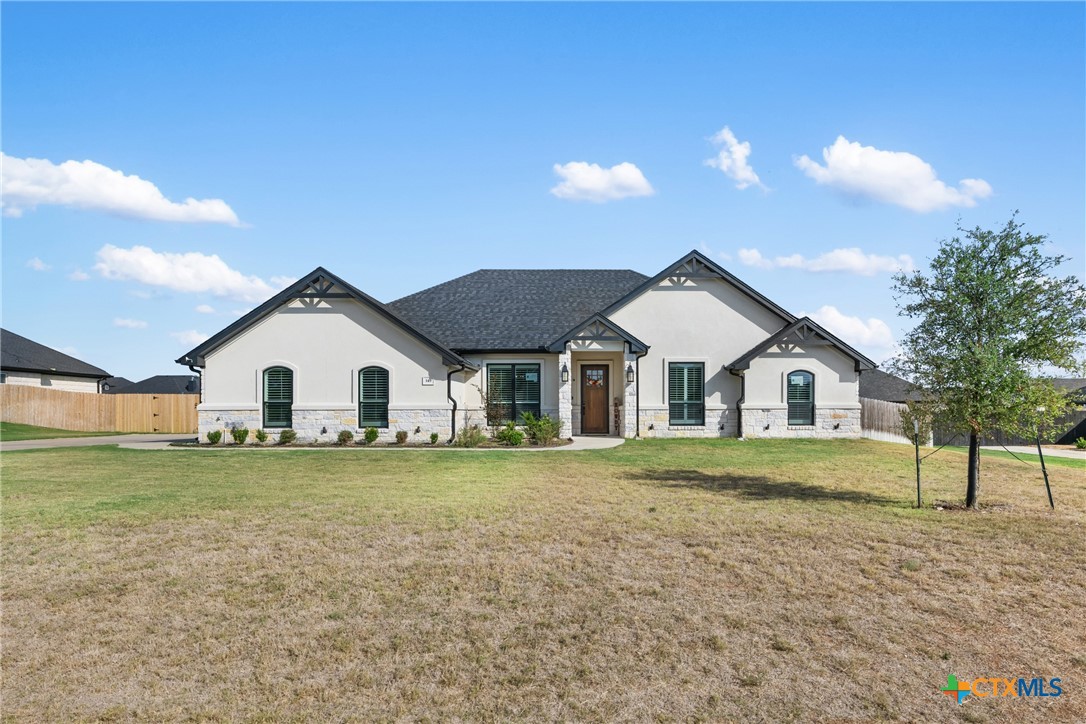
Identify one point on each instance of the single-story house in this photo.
(160, 385)
(691, 351)
(26, 362)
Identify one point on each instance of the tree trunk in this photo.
(973, 489)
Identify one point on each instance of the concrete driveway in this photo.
(138, 442)
(1049, 452)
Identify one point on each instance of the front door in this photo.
(594, 399)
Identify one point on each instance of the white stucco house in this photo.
(689, 352)
(26, 362)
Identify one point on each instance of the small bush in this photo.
(371, 435)
(1081, 443)
(510, 435)
(345, 437)
(401, 437)
(287, 436)
(214, 437)
(261, 436)
(471, 436)
(240, 434)
(433, 438)
(541, 430)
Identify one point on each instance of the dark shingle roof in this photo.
(19, 353)
(162, 385)
(511, 309)
(879, 385)
(111, 385)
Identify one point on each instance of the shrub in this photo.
(214, 437)
(371, 435)
(401, 437)
(1081, 443)
(541, 430)
(510, 435)
(345, 437)
(240, 434)
(433, 438)
(470, 436)
(261, 436)
(287, 436)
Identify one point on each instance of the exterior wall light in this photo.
(629, 374)
(565, 374)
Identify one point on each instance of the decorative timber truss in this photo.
(802, 333)
(598, 328)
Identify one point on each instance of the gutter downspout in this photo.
(637, 392)
(199, 374)
(739, 402)
(448, 393)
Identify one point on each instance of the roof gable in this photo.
(314, 287)
(19, 353)
(598, 328)
(802, 333)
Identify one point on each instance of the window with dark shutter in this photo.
(373, 397)
(686, 393)
(514, 389)
(800, 398)
(278, 396)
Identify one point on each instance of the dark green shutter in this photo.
(686, 393)
(800, 398)
(373, 397)
(278, 396)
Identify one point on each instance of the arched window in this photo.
(278, 396)
(373, 397)
(800, 398)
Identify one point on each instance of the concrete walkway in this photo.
(162, 442)
(1032, 450)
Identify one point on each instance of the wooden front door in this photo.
(594, 399)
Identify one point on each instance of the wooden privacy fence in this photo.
(88, 412)
(881, 420)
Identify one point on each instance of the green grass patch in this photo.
(1033, 459)
(12, 431)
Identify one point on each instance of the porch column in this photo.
(629, 397)
(565, 392)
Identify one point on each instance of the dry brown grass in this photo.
(658, 581)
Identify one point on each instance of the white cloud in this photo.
(189, 272)
(79, 276)
(31, 182)
(893, 177)
(240, 312)
(873, 336)
(37, 264)
(189, 337)
(852, 260)
(129, 323)
(583, 181)
(205, 309)
(731, 159)
(282, 282)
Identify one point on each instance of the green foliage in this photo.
(214, 437)
(287, 436)
(240, 434)
(990, 318)
(470, 436)
(370, 435)
(1081, 443)
(921, 413)
(261, 436)
(401, 437)
(433, 438)
(345, 437)
(541, 430)
(510, 435)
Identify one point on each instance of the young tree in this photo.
(991, 318)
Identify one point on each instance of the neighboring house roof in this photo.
(805, 333)
(513, 309)
(1074, 387)
(879, 385)
(111, 385)
(318, 284)
(162, 385)
(25, 355)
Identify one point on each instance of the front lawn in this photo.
(667, 580)
(12, 431)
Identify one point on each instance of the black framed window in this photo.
(278, 396)
(686, 393)
(373, 397)
(513, 390)
(800, 398)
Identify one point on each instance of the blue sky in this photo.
(403, 145)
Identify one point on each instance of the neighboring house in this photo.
(113, 385)
(25, 362)
(878, 385)
(161, 385)
(689, 352)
